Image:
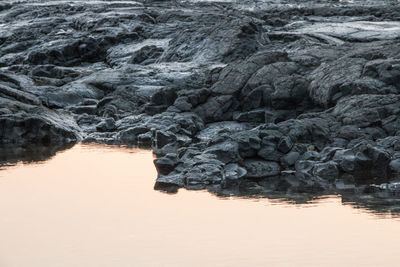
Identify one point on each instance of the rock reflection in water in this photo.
(95, 206)
(11, 154)
(382, 202)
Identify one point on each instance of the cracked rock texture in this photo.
(239, 97)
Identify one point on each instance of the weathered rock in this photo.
(261, 169)
(249, 143)
(129, 136)
(232, 174)
(41, 126)
(251, 116)
(227, 151)
(328, 171)
(269, 152)
(304, 169)
(146, 55)
(163, 138)
(394, 166)
(329, 80)
(290, 158)
(285, 144)
(106, 125)
(304, 94)
(166, 164)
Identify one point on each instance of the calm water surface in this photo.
(96, 206)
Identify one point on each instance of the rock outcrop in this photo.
(296, 97)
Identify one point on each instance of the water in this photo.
(96, 206)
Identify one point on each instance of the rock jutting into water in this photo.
(286, 96)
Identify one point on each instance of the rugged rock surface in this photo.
(249, 96)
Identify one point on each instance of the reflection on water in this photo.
(10, 155)
(95, 206)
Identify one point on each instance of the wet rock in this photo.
(166, 164)
(328, 171)
(129, 136)
(285, 144)
(236, 92)
(166, 181)
(106, 125)
(249, 143)
(227, 151)
(41, 126)
(204, 174)
(145, 140)
(394, 166)
(163, 138)
(290, 158)
(269, 152)
(232, 174)
(380, 159)
(304, 169)
(261, 169)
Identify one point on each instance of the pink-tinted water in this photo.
(94, 206)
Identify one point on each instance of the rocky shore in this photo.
(255, 98)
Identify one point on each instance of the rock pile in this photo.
(286, 96)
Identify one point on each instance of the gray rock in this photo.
(395, 166)
(232, 174)
(285, 144)
(166, 164)
(146, 55)
(251, 116)
(145, 140)
(129, 136)
(269, 152)
(172, 179)
(261, 169)
(163, 138)
(227, 151)
(106, 125)
(290, 158)
(327, 170)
